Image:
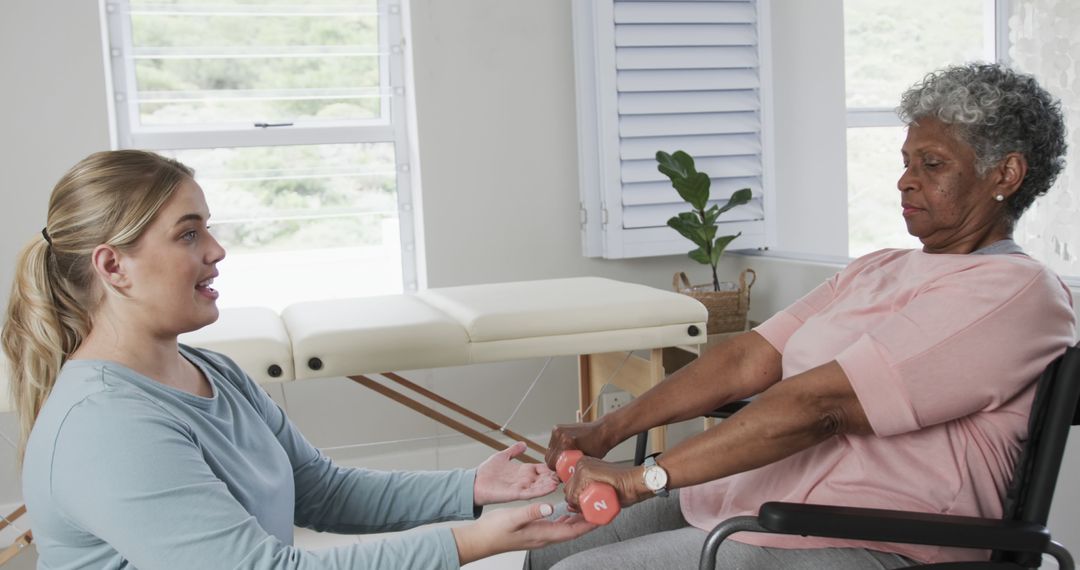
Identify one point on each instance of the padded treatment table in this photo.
(599, 320)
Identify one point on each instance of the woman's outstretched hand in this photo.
(500, 479)
(516, 528)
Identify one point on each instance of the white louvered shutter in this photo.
(669, 75)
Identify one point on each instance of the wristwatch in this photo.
(655, 477)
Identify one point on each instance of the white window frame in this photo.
(600, 172)
(392, 127)
(996, 24)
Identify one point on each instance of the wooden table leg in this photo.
(465, 411)
(23, 540)
(5, 521)
(632, 374)
(13, 549)
(439, 417)
(585, 389)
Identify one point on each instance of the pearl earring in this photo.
(999, 198)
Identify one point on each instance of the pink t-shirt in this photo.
(942, 351)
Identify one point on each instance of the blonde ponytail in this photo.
(107, 198)
(43, 326)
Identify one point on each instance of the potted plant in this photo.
(727, 308)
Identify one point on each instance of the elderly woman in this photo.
(140, 452)
(903, 382)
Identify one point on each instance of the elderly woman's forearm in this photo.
(736, 369)
(791, 416)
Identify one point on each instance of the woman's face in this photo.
(945, 203)
(173, 264)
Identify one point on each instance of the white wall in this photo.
(495, 109)
(53, 109)
(810, 141)
(495, 105)
(494, 88)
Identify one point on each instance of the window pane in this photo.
(302, 222)
(874, 214)
(891, 44)
(239, 62)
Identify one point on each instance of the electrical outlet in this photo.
(613, 400)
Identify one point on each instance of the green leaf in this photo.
(709, 232)
(692, 186)
(738, 198)
(720, 245)
(689, 227)
(699, 256)
(700, 225)
(711, 214)
(679, 165)
(694, 189)
(690, 218)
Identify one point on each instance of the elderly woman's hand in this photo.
(589, 437)
(500, 479)
(625, 479)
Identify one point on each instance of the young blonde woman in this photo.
(141, 452)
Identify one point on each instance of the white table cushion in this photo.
(558, 307)
(373, 334)
(453, 326)
(255, 337)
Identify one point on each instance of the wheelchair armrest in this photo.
(902, 526)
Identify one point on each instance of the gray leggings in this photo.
(653, 534)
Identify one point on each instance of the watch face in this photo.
(655, 478)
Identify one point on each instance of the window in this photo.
(674, 75)
(889, 45)
(292, 115)
(1050, 230)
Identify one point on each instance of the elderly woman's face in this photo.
(945, 203)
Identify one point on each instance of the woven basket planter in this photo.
(728, 307)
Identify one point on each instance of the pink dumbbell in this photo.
(599, 503)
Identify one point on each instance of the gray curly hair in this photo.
(997, 111)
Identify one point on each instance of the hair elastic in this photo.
(45, 235)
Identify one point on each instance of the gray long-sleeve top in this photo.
(121, 469)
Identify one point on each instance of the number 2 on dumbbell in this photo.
(599, 502)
